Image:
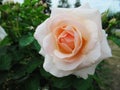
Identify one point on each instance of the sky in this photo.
(101, 5)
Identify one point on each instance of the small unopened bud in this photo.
(45, 5)
(112, 21)
(41, 2)
(104, 16)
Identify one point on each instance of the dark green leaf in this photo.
(115, 40)
(5, 62)
(32, 83)
(3, 76)
(81, 84)
(33, 65)
(5, 41)
(36, 45)
(19, 71)
(26, 40)
(64, 82)
(45, 74)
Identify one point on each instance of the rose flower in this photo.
(72, 41)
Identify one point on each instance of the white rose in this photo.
(3, 34)
(72, 41)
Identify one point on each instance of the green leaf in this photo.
(36, 45)
(22, 70)
(64, 82)
(45, 74)
(3, 76)
(5, 62)
(5, 41)
(3, 50)
(32, 65)
(81, 84)
(26, 40)
(19, 71)
(32, 83)
(116, 40)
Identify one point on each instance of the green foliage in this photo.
(111, 24)
(116, 40)
(20, 62)
(83, 84)
(5, 62)
(32, 83)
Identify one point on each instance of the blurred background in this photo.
(101, 5)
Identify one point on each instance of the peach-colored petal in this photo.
(87, 28)
(86, 71)
(80, 61)
(49, 66)
(62, 64)
(64, 48)
(106, 52)
(77, 42)
(67, 20)
(49, 44)
(90, 33)
(41, 32)
(65, 41)
(92, 38)
(105, 49)
(92, 57)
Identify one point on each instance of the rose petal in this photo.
(62, 64)
(92, 38)
(86, 71)
(49, 44)
(42, 52)
(50, 67)
(105, 49)
(92, 57)
(41, 32)
(80, 61)
(77, 42)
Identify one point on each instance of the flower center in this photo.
(65, 39)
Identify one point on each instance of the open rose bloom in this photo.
(72, 41)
